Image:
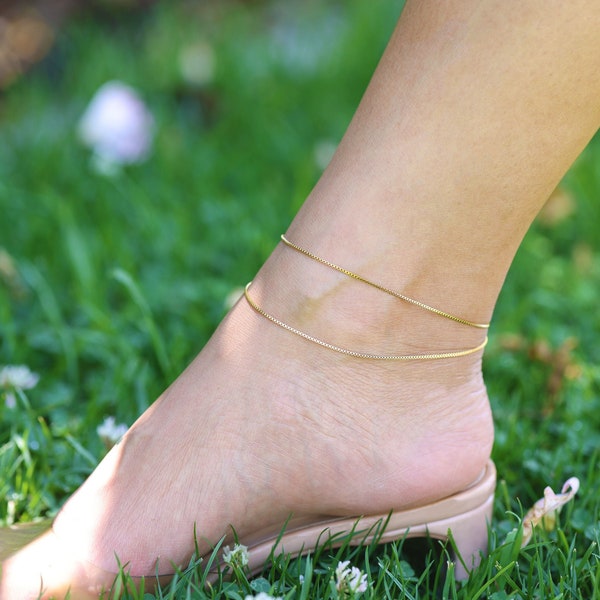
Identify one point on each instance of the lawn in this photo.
(112, 277)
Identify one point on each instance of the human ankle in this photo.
(361, 315)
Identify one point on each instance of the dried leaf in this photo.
(545, 510)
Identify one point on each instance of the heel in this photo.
(468, 534)
(464, 517)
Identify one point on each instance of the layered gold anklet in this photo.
(353, 353)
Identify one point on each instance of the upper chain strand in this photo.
(382, 288)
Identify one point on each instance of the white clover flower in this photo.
(350, 580)
(236, 558)
(15, 378)
(110, 433)
(263, 596)
(18, 377)
(117, 126)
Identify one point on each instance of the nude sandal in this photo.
(466, 516)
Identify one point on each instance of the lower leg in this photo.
(474, 114)
(471, 119)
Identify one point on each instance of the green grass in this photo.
(109, 286)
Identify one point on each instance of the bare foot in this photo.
(264, 424)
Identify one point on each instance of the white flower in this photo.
(117, 126)
(350, 580)
(16, 378)
(110, 433)
(238, 557)
(263, 596)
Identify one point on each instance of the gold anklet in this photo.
(398, 295)
(310, 338)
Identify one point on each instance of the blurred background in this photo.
(117, 260)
